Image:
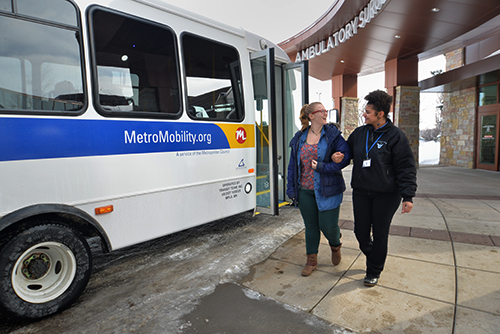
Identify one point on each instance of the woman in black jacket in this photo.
(383, 173)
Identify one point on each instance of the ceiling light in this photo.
(342, 61)
(435, 10)
(397, 36)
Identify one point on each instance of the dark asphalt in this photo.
(230, 310)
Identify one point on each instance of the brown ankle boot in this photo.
(311, 265)
(336, 255)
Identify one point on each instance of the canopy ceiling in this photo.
(400, 29)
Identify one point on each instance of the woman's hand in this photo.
(314, 164)
(407, 206)
(337, 157)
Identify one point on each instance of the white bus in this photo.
(128, 120)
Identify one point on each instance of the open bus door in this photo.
(278, 97)
(295, 95)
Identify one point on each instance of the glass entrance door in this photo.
(488, 148)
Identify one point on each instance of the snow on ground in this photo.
(429, 152)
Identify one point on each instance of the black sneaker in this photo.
(370, 280)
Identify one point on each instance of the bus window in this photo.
(52, 10)
(213, 79)
(6, 5)
(41, 66)
(136, 66)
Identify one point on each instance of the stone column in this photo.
(458, 117)
(349, 115)
(401, 81)
(344, 94)
(458, 125)
(406, 115)
(455, 59)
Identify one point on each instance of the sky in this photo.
(278, 20)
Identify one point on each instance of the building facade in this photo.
(367, 36)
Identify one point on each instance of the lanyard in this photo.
(366, 146)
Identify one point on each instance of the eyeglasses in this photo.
(323, 111)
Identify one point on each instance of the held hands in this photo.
(407, 206)
(337, 157)
(314, 164)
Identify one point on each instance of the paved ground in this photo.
(242, 274)
(442, 274)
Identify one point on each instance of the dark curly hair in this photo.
(380, 101)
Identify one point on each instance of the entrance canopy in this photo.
(360, 36)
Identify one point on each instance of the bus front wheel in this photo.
(43, 270)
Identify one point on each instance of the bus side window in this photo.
(6, 5)
(213, 77)
(136, 66)
(40, 61)
(61, 11)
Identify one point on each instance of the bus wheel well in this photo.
(81, 225)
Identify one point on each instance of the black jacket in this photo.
(392, 165)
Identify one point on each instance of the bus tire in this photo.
(43, 270)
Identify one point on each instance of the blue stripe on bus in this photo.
(38, 138)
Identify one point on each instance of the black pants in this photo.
(373, 213)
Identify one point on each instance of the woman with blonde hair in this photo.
(315, 183)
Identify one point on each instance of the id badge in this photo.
(367, 163)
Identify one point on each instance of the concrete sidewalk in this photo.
(442, 274)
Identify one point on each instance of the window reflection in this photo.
(40, 67)
(488, 78)
(213, 79)
(488, 95)
(136, 66)
(53, 10)
(6, 5)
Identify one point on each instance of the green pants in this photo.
(316, 221)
